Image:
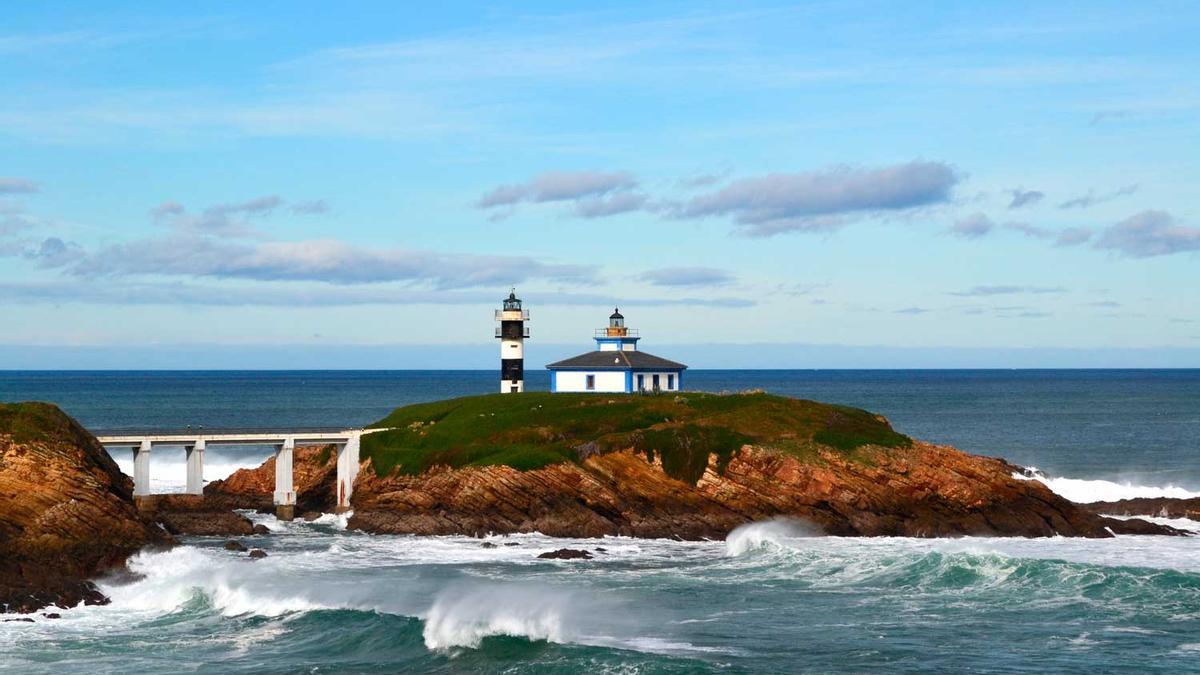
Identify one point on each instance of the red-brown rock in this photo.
(66, 511)
(922, 491)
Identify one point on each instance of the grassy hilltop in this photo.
(532, 430)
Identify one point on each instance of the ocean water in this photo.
(774, 597)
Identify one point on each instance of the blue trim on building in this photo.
(619, 341)
(628, 381)
(553, 381)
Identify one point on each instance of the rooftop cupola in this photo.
(616, 323)
(616, 336)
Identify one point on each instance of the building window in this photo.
(654, 381)
(670, 380)
(591, 382)
(641, 383)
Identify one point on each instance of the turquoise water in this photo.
(774, 598)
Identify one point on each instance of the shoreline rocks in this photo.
(67, 513)
(1159, 507)
(195, 515)
(923, 491)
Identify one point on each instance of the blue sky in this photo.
(232, 179)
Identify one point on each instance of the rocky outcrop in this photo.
(1162, 507)
(314, 475)
(921, 491)
(183, 514)
(66, 511)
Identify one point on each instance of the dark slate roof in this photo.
(617, 360)
(616, 314)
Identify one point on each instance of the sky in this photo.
(832, 184)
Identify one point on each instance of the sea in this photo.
(774, 597)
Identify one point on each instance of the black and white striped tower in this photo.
(512, 333)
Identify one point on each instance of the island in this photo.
(679, 465)
(670, 465)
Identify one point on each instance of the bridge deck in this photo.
(211, 436)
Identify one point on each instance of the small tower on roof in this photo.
(616, 366)
(616, 337)
(512, 333)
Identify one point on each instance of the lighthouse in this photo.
(512, 333)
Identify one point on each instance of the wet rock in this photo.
(257, 553)
(194, 515)
(234, 545)
(309, 516)
(511, 543)
(566, 554)
(23, 619)
(52, 615)
(261, 529)
(1161, 507)
(487, 544)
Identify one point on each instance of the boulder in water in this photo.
(566, 554)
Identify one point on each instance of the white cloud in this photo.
(687, 276)
(973, 226)
(822, 200)
(190, 255)
(1148, 234)
(14, 186)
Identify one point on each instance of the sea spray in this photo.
(769, 533)
(171, 476)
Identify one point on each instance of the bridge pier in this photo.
(195, 468)
(347, 471)
(283, 441)
(285, 490)
(141, 469)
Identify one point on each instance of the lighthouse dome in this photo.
(616, 313)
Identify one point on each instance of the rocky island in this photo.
(689, 466)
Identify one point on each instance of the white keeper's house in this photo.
(617, 365)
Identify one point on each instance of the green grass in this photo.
(537, 429)
(33, 421)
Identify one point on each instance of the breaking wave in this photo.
(773, 533)
(464, 616)
(1084, 491)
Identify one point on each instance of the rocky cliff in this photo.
(924, 491)
(689, 466)
(66, 511)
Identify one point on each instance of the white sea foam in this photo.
(766, 534)
(462, 616)
(1084, 491)
(1186, 524)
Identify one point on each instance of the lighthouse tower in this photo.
(512, 333)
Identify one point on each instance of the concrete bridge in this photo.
(195, 441)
